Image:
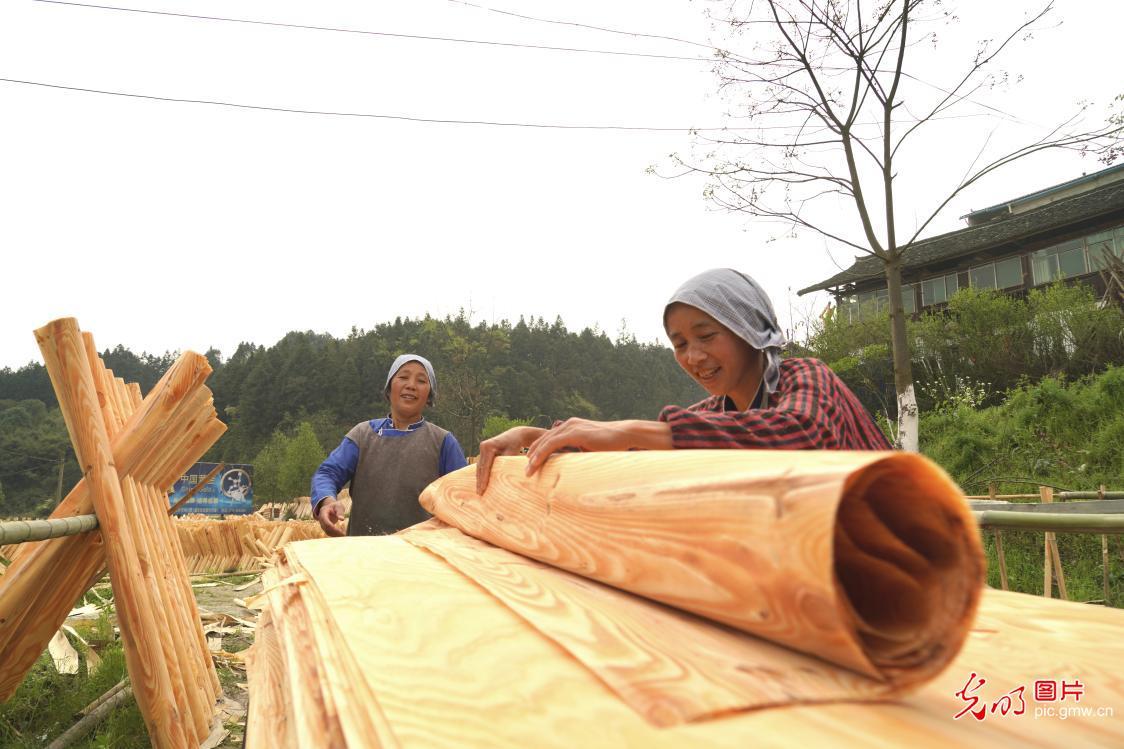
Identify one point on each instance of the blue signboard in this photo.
(229, 492)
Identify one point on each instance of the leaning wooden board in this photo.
(450, 666)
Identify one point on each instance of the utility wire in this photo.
(370, 115)
(716, 50)
(589, 26)
(393, 35)
(439, 121)
(582, 50)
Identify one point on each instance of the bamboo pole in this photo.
(63, 352)
(95, 716)
(21, 531)
(1057, 495)
(98, 702)
(1112, 524)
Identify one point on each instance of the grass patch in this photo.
(1081, 558)
(47, 703)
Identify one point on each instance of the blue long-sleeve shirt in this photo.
(339, 467)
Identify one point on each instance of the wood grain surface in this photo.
(672, 667)
(867, 560)
(47, 577)
(170, 667)
(452, 666)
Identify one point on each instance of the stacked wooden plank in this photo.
(299, 509)
(130, 451)
(307, 691)
(668, 599)
(237, 544)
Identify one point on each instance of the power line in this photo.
(369, 115)
(588, 26)
(420, 37)
(717, 50)
(433, 120)
(388, 34)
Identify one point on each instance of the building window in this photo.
(982, 277)
(1009, 272)
(908, 299)
(1060, 261)
(871, 303)
(938, 290)
(1100, 246)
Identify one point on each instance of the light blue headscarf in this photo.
(738, 302)
(406, 359)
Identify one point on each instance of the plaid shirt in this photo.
(812, 409)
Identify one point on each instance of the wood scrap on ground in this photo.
(63, 654)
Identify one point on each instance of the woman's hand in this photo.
(597, 436)
(510, 442)
(330, 515)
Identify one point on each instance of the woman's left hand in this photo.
(598, 436)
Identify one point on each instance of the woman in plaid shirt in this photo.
(726, 337)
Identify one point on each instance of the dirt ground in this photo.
(218, 595)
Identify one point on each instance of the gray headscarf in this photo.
(405, 359)
(738, 302)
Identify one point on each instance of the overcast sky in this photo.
(170, 226)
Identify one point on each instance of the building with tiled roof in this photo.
(1064, 231)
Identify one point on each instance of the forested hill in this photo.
(530, 370)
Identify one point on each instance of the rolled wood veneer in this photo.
(868, 560)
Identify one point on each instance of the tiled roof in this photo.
(974, 239)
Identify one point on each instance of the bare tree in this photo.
(823, 113)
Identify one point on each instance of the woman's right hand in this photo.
(510, 442)
(330, 515)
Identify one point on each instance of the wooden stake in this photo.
(1052, 567)
(206, 480)
(75, 563)
(1047, 495)
(63, 351)
(1104, 561)
(1058, 571)
(199, 666)
(1002, 558)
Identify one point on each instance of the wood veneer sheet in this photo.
(452, 667)
(871, 561)
(670, 666)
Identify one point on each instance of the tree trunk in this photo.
(903, 369)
